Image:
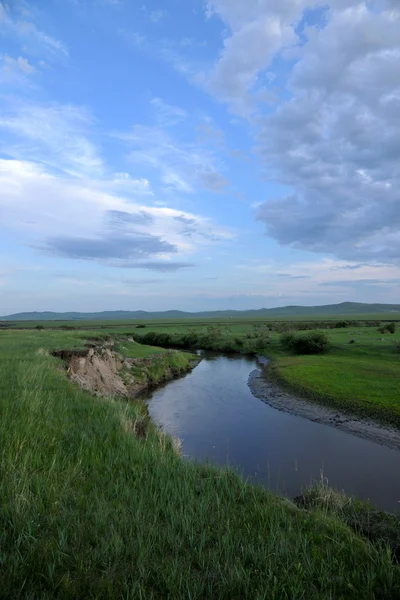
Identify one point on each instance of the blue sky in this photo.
(198, 155)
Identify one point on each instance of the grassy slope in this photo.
(363, 377)
(164, 364)
(90, 511)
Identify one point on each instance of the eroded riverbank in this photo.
(103, 371)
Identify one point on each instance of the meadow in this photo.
(91, 509)
(360, 373)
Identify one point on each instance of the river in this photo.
(213, 411)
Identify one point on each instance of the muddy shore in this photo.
(274, 396)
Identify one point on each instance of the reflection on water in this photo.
(218, 419)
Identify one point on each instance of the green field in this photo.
(89, 509)
(363, 377)
(128, 324)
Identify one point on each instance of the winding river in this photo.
(213, 411)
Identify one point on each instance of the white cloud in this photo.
(18, 64)
(260, 29)
(35, 40)
(157, 15)
(336, 141)
(182, 166)
(334, 137)
(15, 73)
(73, 219)
(166, 114)
(245, 55)
(56, 135)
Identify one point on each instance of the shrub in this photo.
(189, 340)
(313, 342)
(39, 327)
(157, 339)
(287, 340)
(141, 326)
(341, 324)
(388, 328)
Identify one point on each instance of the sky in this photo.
(198, 155)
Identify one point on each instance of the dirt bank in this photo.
(271, 394)
(104, 372)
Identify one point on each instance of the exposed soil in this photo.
(102, 371)
(273, 395)
(99, 372)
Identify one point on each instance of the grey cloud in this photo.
(135, 246)
(350, 267)
(192, 228)
(185, 220)
(162, 267)
(119, 218)
(213, 181)
(336, 142)
(360, 282)
(288, 276)
(209, 133)
(140, 282)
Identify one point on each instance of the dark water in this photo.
(218, 419)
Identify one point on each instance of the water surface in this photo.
(219, 420)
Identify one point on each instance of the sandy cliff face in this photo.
(99, 372)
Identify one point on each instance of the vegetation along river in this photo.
(217, 417)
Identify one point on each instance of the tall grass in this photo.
(90, 510)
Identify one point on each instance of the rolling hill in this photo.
(344, 309)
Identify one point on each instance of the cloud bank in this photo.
(334, 137)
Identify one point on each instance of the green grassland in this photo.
(360, 373)
(362, 377)
(89, 509)
(178, 324)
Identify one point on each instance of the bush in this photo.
(388, 328)
(287, 340)
(189, 340)
(313, 342)
(141, 326)
(39, 327)
(156, 339)
(341, 324)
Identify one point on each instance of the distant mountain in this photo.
(344, 309)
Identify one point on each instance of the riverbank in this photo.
(95, 506)
(265, 388)
(358, 375)
(126, 369)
